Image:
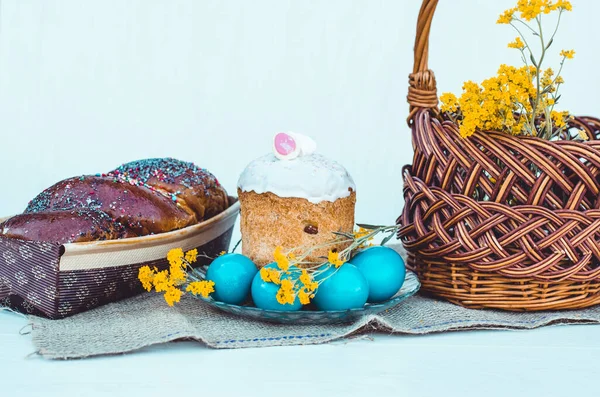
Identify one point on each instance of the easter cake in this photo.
(293, 197)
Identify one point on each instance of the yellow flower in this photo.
(563, 5)
(560, 118)
(162, 281)
(265, 275)
(304, 297)
(173, 295)
(361, 230)
(146, 276)
(203, 288)
(270, 275)
(334, 258)
(492, 105)
(530, 9)
(559, 80)
(449, 102)
(191, 256)
(175, 257)
(583, 135)
(282, 261)
(285, 295)
(518, 43)
(506, 16)
(307, 281)
(222, 253)
(547, 78)
(287, 284)
(177, 274)
(568, 54)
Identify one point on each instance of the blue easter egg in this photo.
(341, 289)
(264, 294)
(232, 275)
(384, 270)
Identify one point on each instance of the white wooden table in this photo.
(551, 361)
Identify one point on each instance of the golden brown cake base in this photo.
(268, 220)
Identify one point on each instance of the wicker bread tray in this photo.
(61, 280)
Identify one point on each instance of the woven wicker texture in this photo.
(495, 220)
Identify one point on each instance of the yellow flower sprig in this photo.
(297, 277)
(176, 280)
(520, 101)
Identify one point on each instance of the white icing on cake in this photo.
(312, 177)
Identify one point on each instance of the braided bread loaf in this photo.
(139, 198)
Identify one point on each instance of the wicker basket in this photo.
(497, 221)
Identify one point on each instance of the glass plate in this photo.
(307, 316)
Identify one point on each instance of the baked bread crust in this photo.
(139, 198)
(268, 221)
(136, 207)
(70, 226)
(194, 188)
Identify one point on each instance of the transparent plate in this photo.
(308, 316)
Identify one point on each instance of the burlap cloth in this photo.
(147, 320)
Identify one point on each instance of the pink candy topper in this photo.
(284, 144)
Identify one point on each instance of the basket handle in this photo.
(422, 92)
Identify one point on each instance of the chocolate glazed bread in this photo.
(136, 207)
(194, 188)
(63, 227)
(139, 198)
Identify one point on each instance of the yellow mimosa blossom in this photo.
(362, 232)
(568, 54)
(449, 102)
(547, 78)
(518, 43)
(173, 295)
(334, 258)
(175, 256)
(281, 259)
(304, 297)
(176, 274)
(560, 118)
(285, 295)
(270, 275)
(506, 16)
(563, 5)
(222, 253)
(146, 276)
(530, 9)
(307, 281)
(492, 105)
(162, 282)
(191, 256)
(203, 288)
(583, 135)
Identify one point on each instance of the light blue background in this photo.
(87, 85)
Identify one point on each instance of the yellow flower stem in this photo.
(556, 28)
(526, 25)
(548, 118)
(539, 70)
(523, 36)
(555, 94)
(530, 123)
